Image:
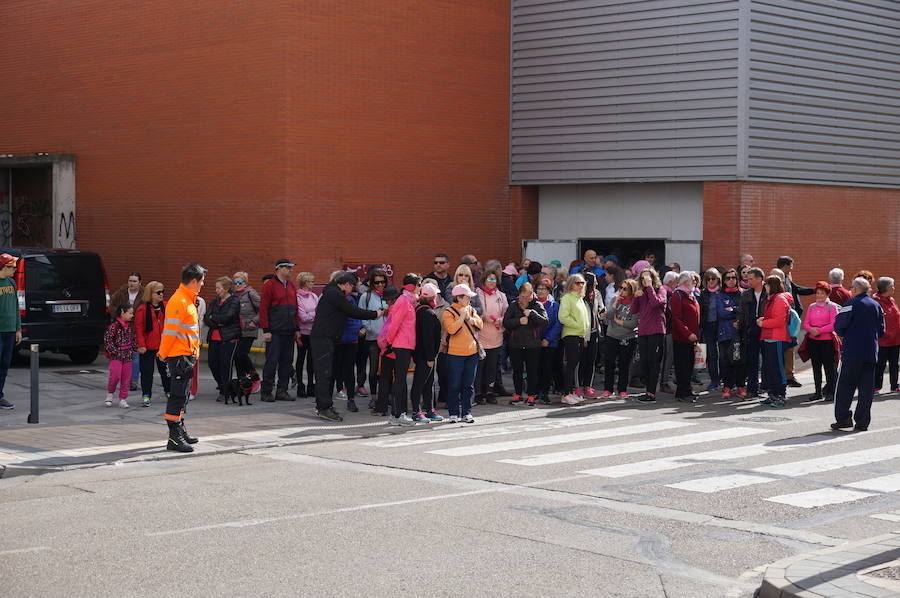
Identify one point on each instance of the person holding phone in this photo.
(650, 306)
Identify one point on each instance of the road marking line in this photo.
(832, 462)
(886, 516)
(721, 482)
(820, 498)
(523, 443)
(23, 550)
(888, 483)
(634, 447)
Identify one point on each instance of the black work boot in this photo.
(176, 441)
(188, 438)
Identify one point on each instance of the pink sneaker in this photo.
(623, 395)
(578, 392)
(605, 394)
(590, 393)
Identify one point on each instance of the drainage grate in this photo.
(762, 419)
(76, 372)
(886, 573)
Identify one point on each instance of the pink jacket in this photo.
(821, 317)
(306, 308)
(491, 335)
(401, 333)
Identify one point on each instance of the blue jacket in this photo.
(727, 318)
(352, 327)
(860, 323)
(554, 328)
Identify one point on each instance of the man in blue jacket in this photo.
(860, 323)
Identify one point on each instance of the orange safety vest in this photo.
(181, 331)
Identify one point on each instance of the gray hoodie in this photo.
(622, 311)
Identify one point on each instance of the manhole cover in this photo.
(886, 573)
(76, 372)
(763, 419)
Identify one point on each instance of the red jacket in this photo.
(278, 307)
(775, 319)
(685, 316)
(839, 294)
(891, 321)
(149, 340)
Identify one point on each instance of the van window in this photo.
(53, 273)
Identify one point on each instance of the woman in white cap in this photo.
(428, 342)
(461, 323)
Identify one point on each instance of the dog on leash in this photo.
(238, 390)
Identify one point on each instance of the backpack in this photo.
(793, 323)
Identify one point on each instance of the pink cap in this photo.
(429, 290)
(462, 289)
(510, 269)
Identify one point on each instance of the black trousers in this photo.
(651, 347)
(525, 366)
(221, 360)
(344, 364)
(242, 362)
(147, 361)
(821, 354)
(732, 374)
(551, 370)
(617, 354)
(304, 354)
(572, 348)
(422, 393)
(588, 364)
(710, 332)
(855, 376)
(399, 398)
(754, 362)
(181, 372)
(443, 379)
(385, 384)
(322, 355)
(279, 357)
(887, 356)
(683, 358)
(487, 371)
(368, 351)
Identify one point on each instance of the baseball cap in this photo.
(6, 259)
(556, 263)
(429, 290)
(460, 290)
(284, 262)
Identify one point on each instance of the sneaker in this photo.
(667, 388)
(687, 399)
(895, 389)
(405, 420)
(361, 391)
(341, 394)
(4, 404)
(371, 403)
(646, 398)
(623, 395)
(221, 399)
(816, 397)
(778, 402)
(351, 406)
(876, 392)
(468, 419)
(529, 402)
(605, 394)
(330, 414)
(145, 401)
(712, 386)
(726, 393)
(190, 398)
(420, 418)
(544, 400)
(282, 395)
(793, 383)
(454, 419)
(133, 386)
(124, 404)
(578, 393)
(393, 421)
(109, 399)
(516, 400)
(570, 399)
(742, 393)
(590, 393)
(434, 416)
(841, 425)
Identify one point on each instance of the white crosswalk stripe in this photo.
(524, 443)
(820, 498)
(635, 447)
(722, 482)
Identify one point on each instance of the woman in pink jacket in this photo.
(306, 309)
(494, 302)
(401, 340)
(818, 322)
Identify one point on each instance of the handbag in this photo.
(481, 352)
(735, 351)
(803, 350)
(699, 356)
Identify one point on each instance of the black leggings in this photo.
(551, 370)
(303, 354)
(147, 360)
(344, 362)
(887, 356)
(651, 348)
(732, 374)
(221, 359)
(242, 362)
(527, 362)
(617, 353)
(370, 350)
(821, 354)
(683, 358)
(572, 348)
(399, 397)
(487, 371)
(422, 393)
(588, 363)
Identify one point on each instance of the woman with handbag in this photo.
(818, 322)
(576, 328)
(731, 345)
(621, 338)
(494, 303)
(685, 330)
(461, 323)
(525, 320)
(709, 324)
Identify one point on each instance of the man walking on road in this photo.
(860, 323)
(10, 321)
(180, 349)
(280, 322)
(331, 318)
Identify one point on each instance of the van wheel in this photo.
(83, 355)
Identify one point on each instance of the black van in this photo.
(63, 300)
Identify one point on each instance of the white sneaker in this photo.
(109, 399)
(192, 397)
(454, 419)
(124, 404)
(394, 421)
(570, 399)
(468, 419)
(341, 395)
(405, 420)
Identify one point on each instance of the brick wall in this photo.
(233, 133)
(821, 227)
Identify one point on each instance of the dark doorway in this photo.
(26, 197)
(627, 250)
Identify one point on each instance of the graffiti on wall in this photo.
(65, 235)
(32, 220)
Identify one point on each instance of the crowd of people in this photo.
(552, 327)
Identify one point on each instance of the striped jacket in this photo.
(181, 331)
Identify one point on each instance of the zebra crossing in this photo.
(547, 443)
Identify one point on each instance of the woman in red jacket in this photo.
(685, 328)
(889, 344)
(775, 338)
(148, 323)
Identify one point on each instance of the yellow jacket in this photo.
(460, 343)
(181, 331)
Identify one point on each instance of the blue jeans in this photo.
(774, 367)
(7, 344)
(461, 383)
(135, 367)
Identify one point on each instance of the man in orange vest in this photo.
(180, 349)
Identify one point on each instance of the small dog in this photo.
(238, 390)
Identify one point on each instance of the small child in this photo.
(120, 343)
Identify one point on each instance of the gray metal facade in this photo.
(665, 90)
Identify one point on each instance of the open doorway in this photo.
(627, 250)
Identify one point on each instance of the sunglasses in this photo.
(439, 263)
(624, 287)
(730, 278)
(158, 292)
(579, 282)
(491, 280)
(239, 281)
(379, 282)
(463, 276)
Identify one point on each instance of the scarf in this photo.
(489, 291)
(732, 289)
(148, 316)
(623, 300)
(714, 289)
(304, 293)
(685, 290)
(744, 284)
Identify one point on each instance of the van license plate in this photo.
(70, 308)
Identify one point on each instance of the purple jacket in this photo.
(651, 310)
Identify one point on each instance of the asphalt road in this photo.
(611, 500)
